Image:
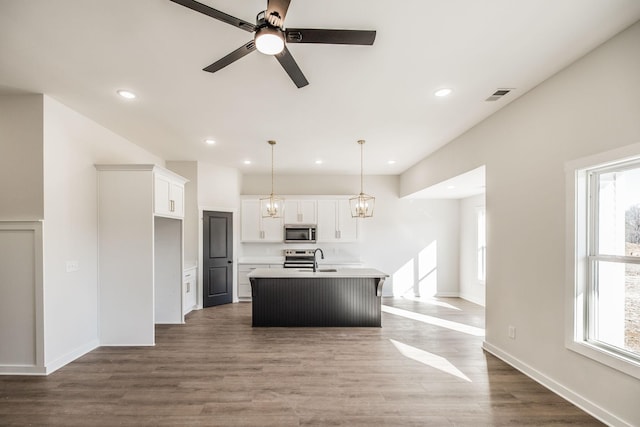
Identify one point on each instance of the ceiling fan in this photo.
(271, 37)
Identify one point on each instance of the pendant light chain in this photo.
(361, 142)
(272, 143)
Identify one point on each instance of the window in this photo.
(613, 297)
(482, 246)
(606, 285)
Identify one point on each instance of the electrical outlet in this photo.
(511, 332)
(73, 266)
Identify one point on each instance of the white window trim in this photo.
(483, 210)
(576, 265)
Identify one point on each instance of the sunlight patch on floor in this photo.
(429, 359)
(455, 326)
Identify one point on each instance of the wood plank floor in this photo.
(217, 370)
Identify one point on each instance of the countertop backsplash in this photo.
(343, 253)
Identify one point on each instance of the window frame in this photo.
(481, 249)
(581, 241)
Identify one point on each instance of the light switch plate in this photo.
(73, 266)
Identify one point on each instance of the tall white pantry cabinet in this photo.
(140, 251)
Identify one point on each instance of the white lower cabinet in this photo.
(244, 285)
(189, 283)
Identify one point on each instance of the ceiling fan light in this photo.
(269, 41)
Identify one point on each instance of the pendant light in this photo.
(272, 206)
(362, 205)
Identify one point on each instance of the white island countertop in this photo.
(321, 272)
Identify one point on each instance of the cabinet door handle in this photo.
(172, 205)
(188, 287)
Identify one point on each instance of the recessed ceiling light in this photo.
(391, 162)
(210, 141)
(247, 162)
(126, 94)
(451, 187)
(443, 92)
(318, 162)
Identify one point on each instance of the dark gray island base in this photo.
(345, 297)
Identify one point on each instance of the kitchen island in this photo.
(327, 297)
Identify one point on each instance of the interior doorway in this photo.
(217, 258)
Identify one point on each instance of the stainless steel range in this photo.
(299, 258)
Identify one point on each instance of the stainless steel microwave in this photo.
(300, 233)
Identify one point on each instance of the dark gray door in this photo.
(217, 257)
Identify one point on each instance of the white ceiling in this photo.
(81, 52)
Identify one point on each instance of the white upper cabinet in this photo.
(332, 216)
(300, 212)
(335, 223)
(168, 194)
(254, 228)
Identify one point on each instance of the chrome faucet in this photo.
(315, 258)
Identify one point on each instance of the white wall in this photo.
(405, 238)
(21, 200)
(218, 186)
(471, 288)
(590, 107)
(218, 190)
(329, 185)
(21, 294)
(72, 145)
(21, 181)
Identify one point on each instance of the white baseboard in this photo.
(472, 299)
(70, 357)
(115, 344)
(22, 370)
(573, 397)
(51, 366)
(447, 295)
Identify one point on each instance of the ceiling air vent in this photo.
(498, 94)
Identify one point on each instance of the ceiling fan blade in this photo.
(280, 7)
(291, 67)
(309, 35)
(214, 13)
(232, 57)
